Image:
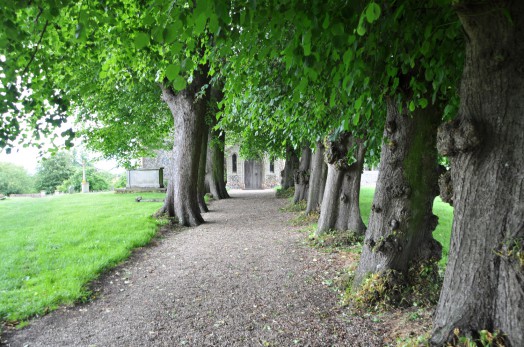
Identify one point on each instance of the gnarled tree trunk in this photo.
(484, 281)
(301, 176)
(401, 222)
(188, 113)
(340, 205)
(289, 168)
(317, 180)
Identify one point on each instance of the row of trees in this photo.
(362, 80)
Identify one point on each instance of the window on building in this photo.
(234, 163)
(272, 166)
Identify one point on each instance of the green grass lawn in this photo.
(53, 247)
(444, 212)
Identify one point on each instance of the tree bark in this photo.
(215, 175)
(201, 188)
(317, 181)
(484, 281)
(401, 222)
(168, 209)
(301, 176)
(188, 112)
(340, 206)
(289, 168)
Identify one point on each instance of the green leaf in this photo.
(172, 32)
(306, 43)
(141, 40)
(358, 103)
(356, 118)
(179, 83)
(200, 23)
(411, 106)
(213, 24)
(172, 71)
(348, 56)
(148, 19)
(361, 29)
(372, 12)
(325, 23)
(423, 102)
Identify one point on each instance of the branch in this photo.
(36, 48)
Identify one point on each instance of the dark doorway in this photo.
(253, 174)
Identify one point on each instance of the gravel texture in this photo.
(244, 278)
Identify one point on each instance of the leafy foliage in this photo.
(53, 171)
(14, 179)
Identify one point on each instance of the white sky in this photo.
(29, 158)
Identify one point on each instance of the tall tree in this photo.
(483, 284)
(189, 112)
(340, 208)
(317, 180)
(53, 171)
(401, 224)
(301, 176)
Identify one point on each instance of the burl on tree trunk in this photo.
(401, 223)
(289, 168)
(340, 206)
(301, 176)
(188, 112)
(317, 180)
(484, 281)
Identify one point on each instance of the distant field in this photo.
(52, 247)
(442, 210)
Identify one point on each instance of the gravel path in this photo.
(244, 278)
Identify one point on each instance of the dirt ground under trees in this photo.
(244, 278)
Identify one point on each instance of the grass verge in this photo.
(54, 246)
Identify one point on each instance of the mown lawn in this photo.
(444, 212)
(52, 247)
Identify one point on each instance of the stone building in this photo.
(251, 174)
(240, 173)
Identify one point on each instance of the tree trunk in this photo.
(317, 181)
(301, 176)
(484, 281)
(201, 188)
(340, 207)
(215, 175)
(289, 168)
(401, 223)
(188, 113)
(168, 209)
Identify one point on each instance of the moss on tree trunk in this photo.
(401, 223)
